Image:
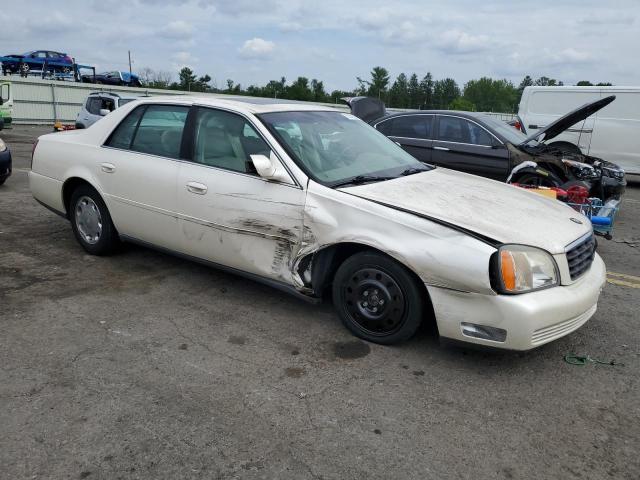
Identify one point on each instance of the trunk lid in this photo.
(366, 108)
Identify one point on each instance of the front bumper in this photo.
(5, 164)
(530, 320)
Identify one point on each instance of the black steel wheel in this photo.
(377, 299)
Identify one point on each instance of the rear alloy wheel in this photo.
(377, 298)
(91, 222)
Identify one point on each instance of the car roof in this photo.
(458, 113)
(255, 105)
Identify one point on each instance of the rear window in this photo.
(123, 134)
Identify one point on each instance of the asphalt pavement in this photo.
(142, 365)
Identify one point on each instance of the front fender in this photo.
(438, 255)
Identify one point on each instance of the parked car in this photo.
(308, 198)
(36, 60)
(483, 145)
(99, 104)
(6, 105)
(5, 162)
(113, 78)
(611, 133)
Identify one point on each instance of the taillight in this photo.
(33, 151)
(517, 125)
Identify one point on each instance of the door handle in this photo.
(107, 167)
(443, 149)
(197, 188)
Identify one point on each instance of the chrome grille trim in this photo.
(580, 255)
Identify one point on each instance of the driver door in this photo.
(229, 214)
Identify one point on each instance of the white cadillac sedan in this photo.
(310, 199)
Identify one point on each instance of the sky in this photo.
(336, 41)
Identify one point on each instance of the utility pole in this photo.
(130, 72)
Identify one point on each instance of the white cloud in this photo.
(257, 48)
(178, 30)
(183, 59)
(459, 42)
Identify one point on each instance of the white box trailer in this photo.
(612, 134)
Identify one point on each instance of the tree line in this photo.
(484, 94)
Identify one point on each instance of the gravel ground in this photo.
(142, 365)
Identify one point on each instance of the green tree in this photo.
(377, 86)
(526, 82)
(584, 83)
(186, 78)
(399, 92)
(426, 92)
(414, 92)
(463, 104)
(604, 84)
(317, 87)
(444, 92)
(489, 95)
(548, 82)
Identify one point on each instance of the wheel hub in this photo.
(88, 220)
(375, 301)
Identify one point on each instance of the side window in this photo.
(93, 105)
(385, 127)
(453, 129)
(411, 126)
(478, 135)
(160, 130)
(124, 132)
(226, 140)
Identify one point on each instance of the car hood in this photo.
(567, 121)
(491, 209)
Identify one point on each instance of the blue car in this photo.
(55, 62)
(5, 162)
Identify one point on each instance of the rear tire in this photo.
(91, 222)
(377, 299)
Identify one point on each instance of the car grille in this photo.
(581, 256)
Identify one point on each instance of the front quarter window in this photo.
(332, 147)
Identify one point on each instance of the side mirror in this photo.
(104, 112)
(270, 168)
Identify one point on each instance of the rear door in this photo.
(138, 170)
(465, 145)
(412, 132)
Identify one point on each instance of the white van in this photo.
(612, 133)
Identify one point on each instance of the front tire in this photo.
(91, 222)
(377, 299)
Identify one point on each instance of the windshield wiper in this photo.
(360, 179)
(411, 171)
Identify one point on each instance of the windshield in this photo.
(503, 129)
(333, 147)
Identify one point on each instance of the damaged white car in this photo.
(311, 200)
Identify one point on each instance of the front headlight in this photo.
(521, 269)
(3, 146)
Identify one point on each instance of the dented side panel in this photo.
(242, 221)
(439, 255)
